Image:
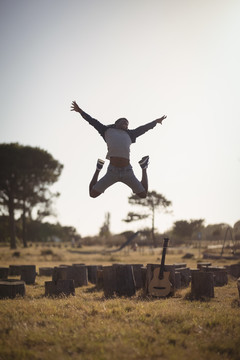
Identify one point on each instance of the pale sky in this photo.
(138, 59)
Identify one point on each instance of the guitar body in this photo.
(159, 287)
(160, 284)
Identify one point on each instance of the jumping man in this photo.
(118, 139)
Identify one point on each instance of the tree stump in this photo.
(149, 276)
(125, 282)
(78, 273)
(92, 273)
(177, 280)
(45, 271)
(59, 273)
(203, 264)
(60, 287)
(234, 270)
(202, 285)
(4, 273)
(14, 270)
(137, 275)
(109, 280)
(28, 274)
(180, 265)
(185, 274)
(144, 276)
(12, 288)
(99, 282)
(220, 276)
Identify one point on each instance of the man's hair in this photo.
(120, 119)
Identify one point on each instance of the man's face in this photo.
(122, 124)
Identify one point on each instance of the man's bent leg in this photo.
(93, 193)
(144, 183)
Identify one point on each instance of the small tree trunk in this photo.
(12, 223)
(24, 233)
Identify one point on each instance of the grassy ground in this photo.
(88, 326)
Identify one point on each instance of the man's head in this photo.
(121, 123)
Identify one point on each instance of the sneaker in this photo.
(144, 162)
(100, 164)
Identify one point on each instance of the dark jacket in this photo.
(132, 133)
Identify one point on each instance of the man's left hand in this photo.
(160, 120)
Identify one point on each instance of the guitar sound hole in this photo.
(159, 287)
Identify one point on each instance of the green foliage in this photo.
(153, 202)
(105, 228)
(25, 176)
(185, 229)
(131, 216)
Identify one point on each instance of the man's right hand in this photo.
(75, 107)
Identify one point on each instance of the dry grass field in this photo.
(89, 326)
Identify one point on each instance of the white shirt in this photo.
(118, 143)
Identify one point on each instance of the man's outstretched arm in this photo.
(75, 107)
(95, 123)
(144, 128)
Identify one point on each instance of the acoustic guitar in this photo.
(160, 285)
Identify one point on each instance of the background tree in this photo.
(105, 228)
(25, 176)
(154, 201)
(216, 232)
(185, 229)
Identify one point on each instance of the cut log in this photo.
(12, 288)
(99, 283)
(4, 273)
(144, 276)
(78, 273)
(234, 270)
(177, 280)
(125, 282)
(92, 272)
(180, 265)
(60, 287)
(137, 275)
(220, 276)
(14, 270)
(202, 284)
(185, 274)
(45, 271)
(203, 264)
(28, 274)
(109, 280)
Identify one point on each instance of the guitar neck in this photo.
(165, 244)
